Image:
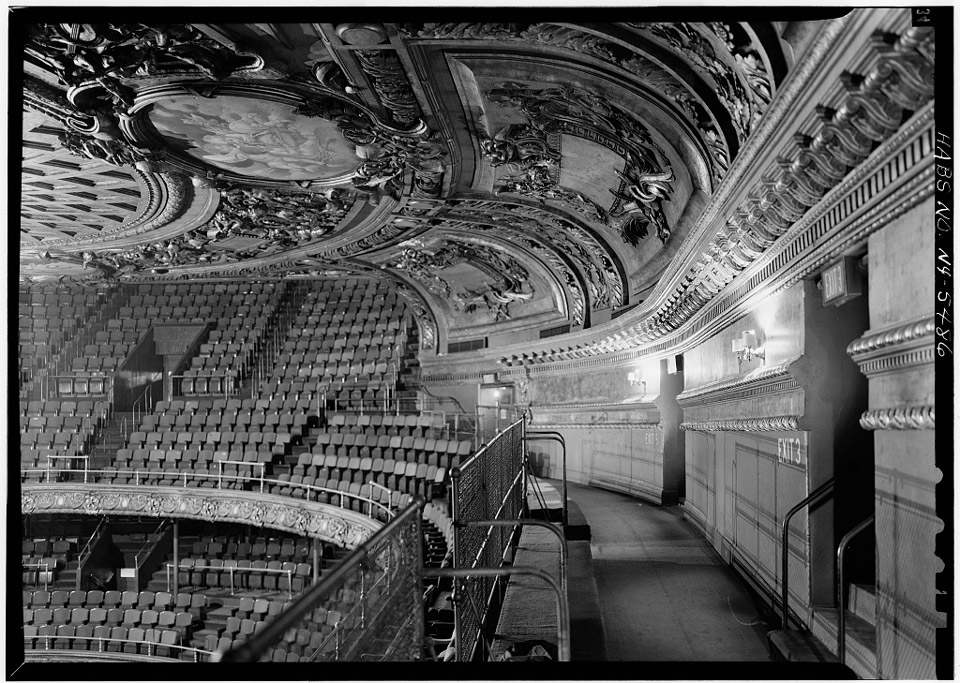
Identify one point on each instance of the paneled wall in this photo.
(897, 355)
(763, 433)
(739, 487)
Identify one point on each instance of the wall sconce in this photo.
(745, 346)
(636, 379)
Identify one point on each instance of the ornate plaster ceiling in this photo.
(507, 178)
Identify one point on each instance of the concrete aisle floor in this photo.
(665, 595)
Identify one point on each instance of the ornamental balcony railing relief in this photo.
(343, 527)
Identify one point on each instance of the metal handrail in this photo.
(841, 612)
(149, 544)
(555, 436)
(63, 456)
(87, 550)
(818, 493)
(139, 409)
(538, 523)
(261, 465)
(152, 645)
(563, 608)
(252, 649)
(338, 627)
(389, 491)
(221, 568)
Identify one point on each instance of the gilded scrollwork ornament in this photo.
(526, 150)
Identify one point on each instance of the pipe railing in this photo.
(389, 491)
(254, 647)
(62, 456)
(563, 608)
(185, 477)
(87, 550)
(142, 405)
(335, 636)
(152, 646)
(820, 492)
(44, 566)
(538, 523)
(555, 436)
(261, 465)
(841, 608)
(143, 552)
(231, 570)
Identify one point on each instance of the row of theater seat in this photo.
(399, 476)
(32, 428)
(202, 572)
(67, 408)
(159, 600)
(406, 448)
(213, 439)
(82, 383)
(205, 288)
(42, 323)
(235, 548)
(46, 295)
(158, 642)
(114, 616)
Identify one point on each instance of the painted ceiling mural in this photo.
(255, 137)
(502, 176)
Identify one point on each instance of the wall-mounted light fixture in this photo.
(745, 346)
(636, 380)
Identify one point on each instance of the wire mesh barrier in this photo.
(490, 485)
(368, 609)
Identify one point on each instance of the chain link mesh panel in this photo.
(374, 612)
(489, 486)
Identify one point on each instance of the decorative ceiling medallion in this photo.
(254, 138)
(247, 133)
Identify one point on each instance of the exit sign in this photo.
(840, 282)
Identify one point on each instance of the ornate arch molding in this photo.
(345, 528)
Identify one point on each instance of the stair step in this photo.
(862, 601)
(861, 640)
(798, 646)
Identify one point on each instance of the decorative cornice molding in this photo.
(793, 259)
(896, 348)
(778, 208)
(329, 523)
(909, 417)
(757, 382)
(778, 423)
(644, 426)
(605, 405)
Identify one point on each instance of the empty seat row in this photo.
(160, 642)
(57, 407)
